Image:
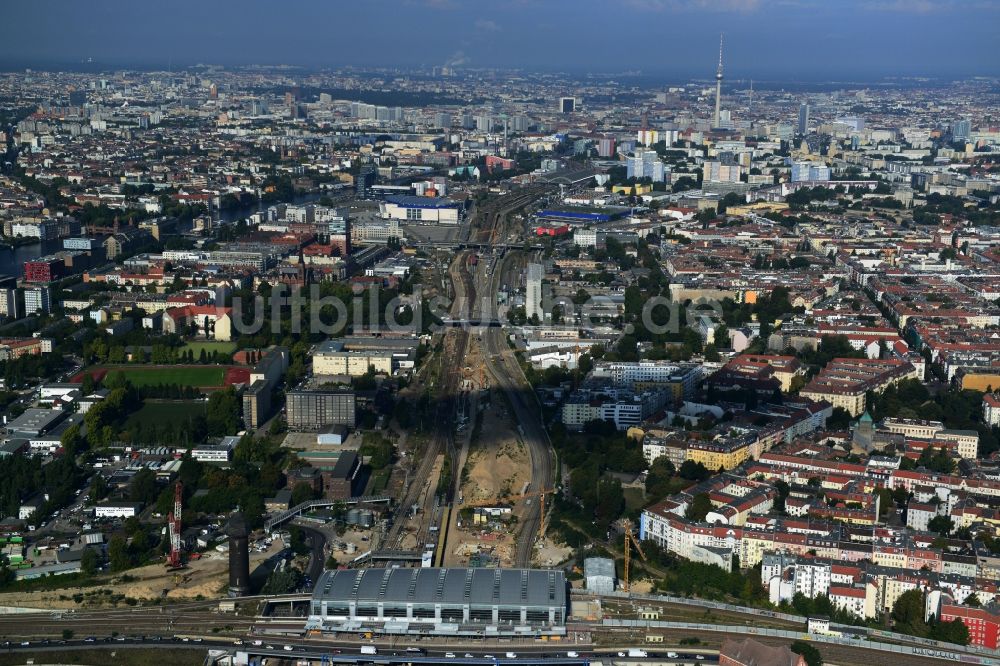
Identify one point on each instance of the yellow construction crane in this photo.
(630, 540)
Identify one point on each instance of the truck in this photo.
(368, 649)
(636, 652)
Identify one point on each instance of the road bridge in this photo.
(322, 504)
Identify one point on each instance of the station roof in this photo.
(452, 586)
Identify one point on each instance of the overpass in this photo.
(322, 504)
(388, 556)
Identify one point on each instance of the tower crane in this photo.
(174, 528)
(630, 540)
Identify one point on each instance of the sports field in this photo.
(158, 413)
(152, 375)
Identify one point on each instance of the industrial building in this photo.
(446, 601)
(318, 408)
(413, 209)
(354, 356)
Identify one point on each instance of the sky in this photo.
(796, 40)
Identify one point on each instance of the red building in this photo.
(552, 231)
(984, 626)
(43, 270)
(493, 163)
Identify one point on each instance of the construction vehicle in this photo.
(630, 540)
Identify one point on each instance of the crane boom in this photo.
(630, 540)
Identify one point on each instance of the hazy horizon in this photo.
(850, 40)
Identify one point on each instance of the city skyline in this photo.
(798, 40)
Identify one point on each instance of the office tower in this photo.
(339, 230)
(646, 164)
(567, 104)
(37, 299)
(719, 172)
(442, 120)
(239, 556)
(808, 171)
(318, 408)
(519, 124)
(8, 303)
(803, 119)
(961, 130)
(484, 122)
(533, 293)
(606, 147)
(364, 180)
(718, 86)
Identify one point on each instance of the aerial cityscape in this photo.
(529, 332)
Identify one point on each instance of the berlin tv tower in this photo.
(718, 85)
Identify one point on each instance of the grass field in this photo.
(165, 412)
(184, 375)
(209, 347)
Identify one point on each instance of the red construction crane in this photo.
(174, 528)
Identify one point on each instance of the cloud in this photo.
(456, 59)
(486, 25)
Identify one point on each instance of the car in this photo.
(269, 647)
(120, 639)
(197, 640)
(449, 655)
(25, 643)
(621, 654)
(88, 639)
(700, 657)
(511, 655)
(238, 641)
(469, 656)
(488, 656)
(288, 648)
(185, 639)
(258, 643)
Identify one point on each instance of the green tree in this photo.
(942, 525)
(953, 631)
(693, 471)
(700, 506)
(143, 488)
(658, 478)
(908, 613)
(118, 554)
(808, 652)
(88, 562)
